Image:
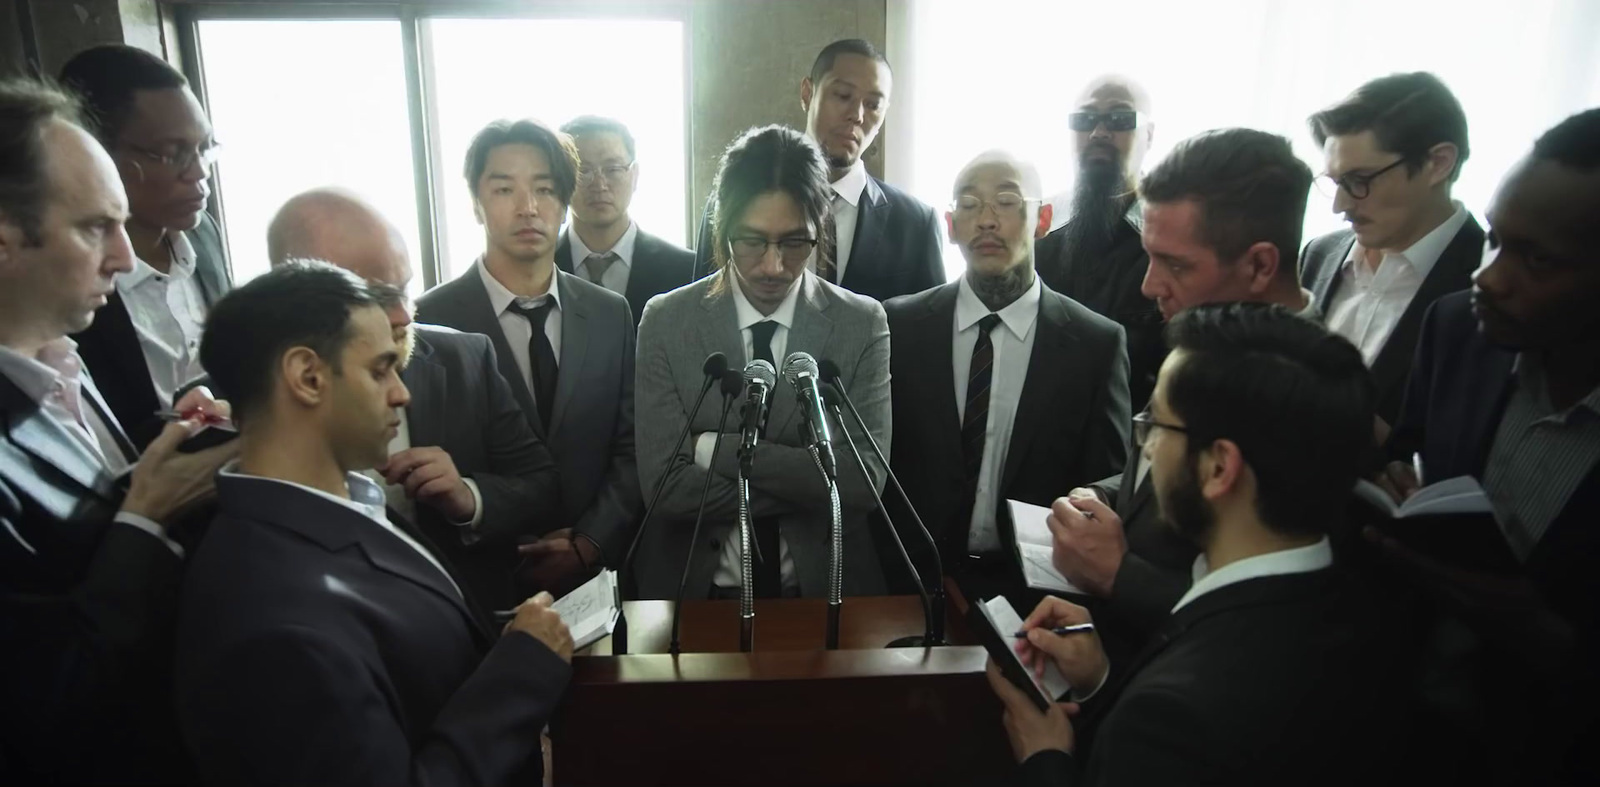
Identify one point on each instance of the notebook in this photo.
(590, 611)
(1034, 546)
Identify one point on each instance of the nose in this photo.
(858, 112)
(399, 316)
(400, 395)
(119, 252)
(527, 205)
(771, 261)
(1490, 276)
(1100, 131)
(1342, 201)
(1152, 287)
(988, 217)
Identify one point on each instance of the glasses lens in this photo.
(1083, 121)
(1327, 186)
(748, 248)
(1121, 120)
(796, 249)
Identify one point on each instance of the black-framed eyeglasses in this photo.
(1144, 422)
(753, 247)
(1357, 184)
(613, 173)
(1115, 120)
(180, 160)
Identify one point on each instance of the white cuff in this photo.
(1082, 698)
(477, 506)
(705, 444)
(149, 526)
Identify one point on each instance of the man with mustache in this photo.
(1095, 257)
(1392, 150)
(565, 344)
(1506, 389)
(1039, 401)
(144, 346)
(603, 244)
(465, 467)
(882, 242)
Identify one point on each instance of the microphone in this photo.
(731, 383)
(800, 370)
(759, 378)
(715, 368)
(830, 373)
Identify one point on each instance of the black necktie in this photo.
(769, 573)
(975, 420)
(541, 357)
(831, 272)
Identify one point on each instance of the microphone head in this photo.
(829, 370)
(759, 370)
(799, 363)
(830, 393)
(732, 382)
(716, 363)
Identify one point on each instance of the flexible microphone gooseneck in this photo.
(830, 373)
(732, 382)
(800, 369)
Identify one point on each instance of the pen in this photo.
(1416, 466)
(207, 419)
(1062, 631)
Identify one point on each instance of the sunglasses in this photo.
(1115, 120)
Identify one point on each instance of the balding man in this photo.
(1002, 387)
(465, 467)
(1095, 257)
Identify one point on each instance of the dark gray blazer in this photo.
(657, 266)
(591, 422)
(1320, 263)
(679, 330)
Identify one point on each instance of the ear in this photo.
(806, 89)
(1220, 469)
(637, 168)
(950, 226)
(1442, 160)
(305, 376)
(477, 210)
(1046, 213)
(1262, 263)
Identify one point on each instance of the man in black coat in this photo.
(1270, 670)
(319, 641)
(467, 468)
(885, 242)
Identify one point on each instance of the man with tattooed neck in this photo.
(1002, 388)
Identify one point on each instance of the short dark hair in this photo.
(108, 79)
(1574, 142)
(849, 46)
(1408, 113)
(1250, 187)
(301, 303)
(557, 147)
(761, 160)
(595, 124)
(1295, 397)
(26, 108)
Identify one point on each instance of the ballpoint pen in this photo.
(1061, 630)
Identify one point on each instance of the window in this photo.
(302, 103)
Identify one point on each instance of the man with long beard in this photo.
(1096, 258)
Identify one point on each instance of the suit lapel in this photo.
(872, 221)
(564, 252)
(1046, 374)
(130, 452)
(1327, 282)
(425, 415)
(1452, 272)
(719, 327)
(474, 313)
(33, 431)
(810, 333)
(938, 325)
(574, 346)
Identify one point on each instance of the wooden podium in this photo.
(788, 713)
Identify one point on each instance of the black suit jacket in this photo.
(1071, 424)
(1320, 265)
(657, 266)
(461, 403)
(897, 249)
(1269, 681)
(316, 647)
(591, 422)
(86, 613)
(110, 345)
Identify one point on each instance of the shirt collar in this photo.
(1310, 312)
(36, 376)
(182, 263)
(366, 497)
(748, 315)
(851, 185)
(1422, 255)
(1529, 371)
(1018, 316)
(500, 297)
(623, 249)
(1300, 560)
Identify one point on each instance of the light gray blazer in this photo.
(680, 328)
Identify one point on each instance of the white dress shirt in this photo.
(1368, 304)
(847, 193)
(517, 329)
(366, 498)
(729, 570)
(168, 314)
(1300, 560)
(407, 507)
(54, 379)
(1013, 347)
(615, 278)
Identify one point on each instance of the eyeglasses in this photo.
(751, 248)
(1357, 185)
(613, 173)
(180, 160)
(969, 205)
(1115, 120)
(1144, 422)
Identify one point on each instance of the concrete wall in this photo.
(60, 28)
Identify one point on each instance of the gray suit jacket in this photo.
(679, 330)
(591, 422)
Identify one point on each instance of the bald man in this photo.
(1095, 257)
(466, 467)
(1002, 388)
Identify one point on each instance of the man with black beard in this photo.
(1039, 400)
(1095, 257)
